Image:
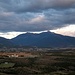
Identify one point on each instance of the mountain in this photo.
(5, 42)
(45, 39)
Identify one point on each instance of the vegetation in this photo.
(46, 63)
(6, 65)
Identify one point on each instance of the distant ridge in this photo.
(44, 39)
(5, 42)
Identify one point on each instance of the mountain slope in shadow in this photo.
(45, 39)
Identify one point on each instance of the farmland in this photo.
(60, 62)
(6, 65)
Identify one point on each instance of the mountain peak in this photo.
(44, 39)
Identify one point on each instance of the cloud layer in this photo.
(68, 30)
(35, 15)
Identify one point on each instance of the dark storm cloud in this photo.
(39, 5)
(35, 5)
(35, 15)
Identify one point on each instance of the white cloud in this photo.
(10, 35)
(68, 30)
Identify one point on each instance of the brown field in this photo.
(16, 54)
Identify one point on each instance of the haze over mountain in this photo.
(45, 39)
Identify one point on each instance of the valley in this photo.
(41, 62)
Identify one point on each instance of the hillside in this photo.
(45, 39)
(5, 42)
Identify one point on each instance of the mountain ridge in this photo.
(44, 39)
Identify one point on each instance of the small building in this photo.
(13, 55)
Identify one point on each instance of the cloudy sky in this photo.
(19, 16)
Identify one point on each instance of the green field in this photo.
(6, 65)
